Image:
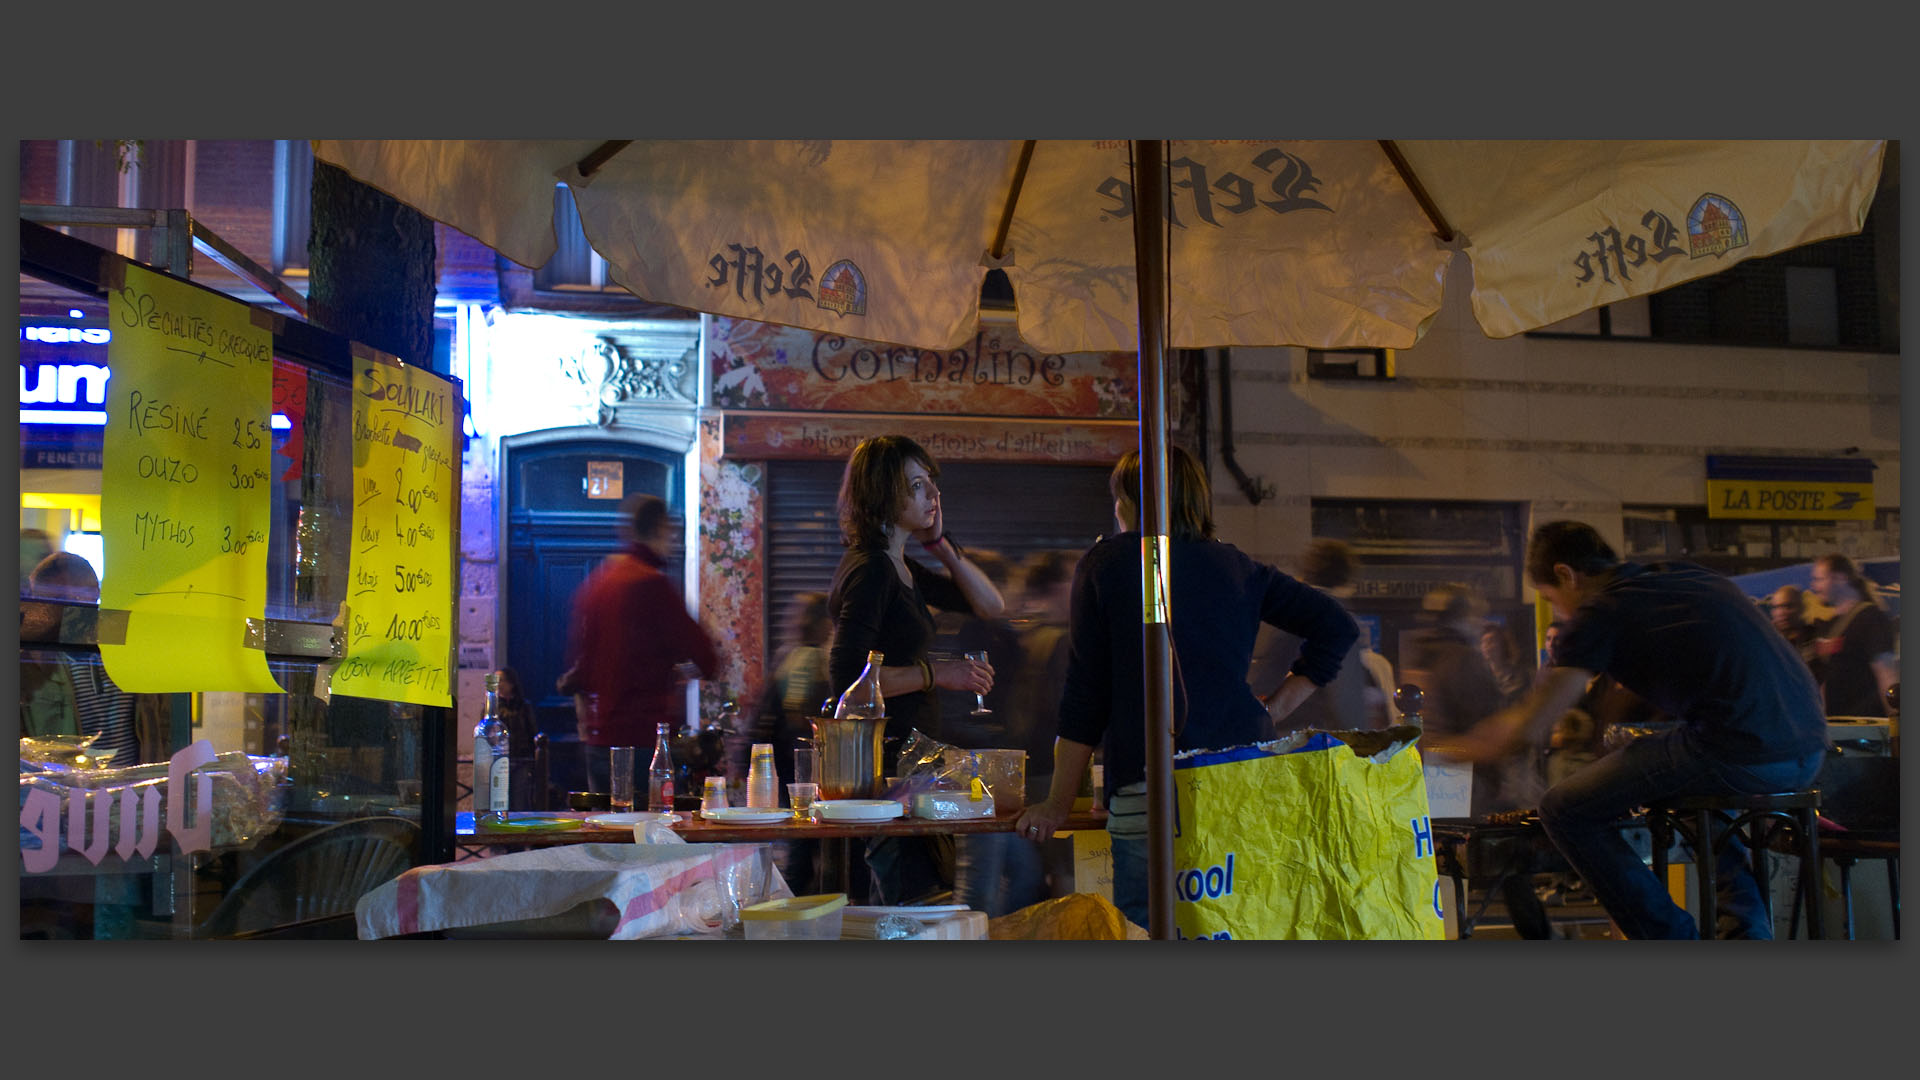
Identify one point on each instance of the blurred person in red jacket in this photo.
(630, 634)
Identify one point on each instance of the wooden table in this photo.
(837, 857)
(696, 830)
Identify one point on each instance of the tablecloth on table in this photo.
(639, 879)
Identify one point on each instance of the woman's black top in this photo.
(873, 609)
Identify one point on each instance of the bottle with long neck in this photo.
(491, 761)
(660, 771)
(863, 700)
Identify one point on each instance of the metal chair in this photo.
(1707, 821)
(319, 876)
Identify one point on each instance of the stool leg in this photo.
(1893, 893)
(1846, 893)
(1759, 834)
(1660, 830)
(1793, 913)
(1810, 873)
(1460, 906)
(1705, 846)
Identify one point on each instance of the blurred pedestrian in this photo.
(1460, 691)
(72, 694)
(1856, 647)
(1502, 653)
(1787, 607)
(1000, 873)
(796, 692)
(1343, 704)
(629, 637)
(517, 712)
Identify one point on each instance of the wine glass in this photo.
(979, 700)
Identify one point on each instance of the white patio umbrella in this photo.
(1322, 244)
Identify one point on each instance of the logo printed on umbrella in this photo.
(1613, 253)
(1293, 182)
(843, 288)
(749, 265)
(1715, 226)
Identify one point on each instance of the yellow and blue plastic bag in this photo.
(1303, 838)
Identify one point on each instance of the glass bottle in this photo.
(491, 759)
(660, 772)
(863, 700)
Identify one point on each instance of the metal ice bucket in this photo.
(846, 757)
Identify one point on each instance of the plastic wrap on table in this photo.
(249, 796)
(953, 805)
(57, 752)
(927, 764)
(1378, 745)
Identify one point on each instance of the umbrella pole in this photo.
(1149, 247)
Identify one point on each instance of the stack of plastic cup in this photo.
(763, 785)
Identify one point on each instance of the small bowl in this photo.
(589, 800)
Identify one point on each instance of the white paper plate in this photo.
(747, 815)
(858, 809)
(624, 821)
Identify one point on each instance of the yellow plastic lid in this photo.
(794, 908)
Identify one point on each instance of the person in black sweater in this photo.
(1219, 599)
(878, 603)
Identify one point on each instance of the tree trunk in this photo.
(371, 267)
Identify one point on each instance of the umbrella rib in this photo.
(590, 164)
(1440, 227)
(1013, 197)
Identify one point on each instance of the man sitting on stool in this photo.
(1687, 640)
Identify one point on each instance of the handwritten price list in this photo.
(400, 597)
(185, 500)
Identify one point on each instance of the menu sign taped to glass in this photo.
(400, 596)
(184, 501)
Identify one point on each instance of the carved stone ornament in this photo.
(612, 377)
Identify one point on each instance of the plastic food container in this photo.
(1005, 773)
(795, 918)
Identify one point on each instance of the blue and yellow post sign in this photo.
(1790, 489)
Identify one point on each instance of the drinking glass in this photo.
(979, 700)
(803, 766)
(622, 774)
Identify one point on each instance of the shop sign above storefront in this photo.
(761, 366)
(1790, 488)
(771, 437)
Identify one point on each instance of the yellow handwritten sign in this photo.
(405, 480)
(184, 499)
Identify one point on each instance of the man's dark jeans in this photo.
(1579, 815)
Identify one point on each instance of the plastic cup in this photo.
(800, 797)
(715, 795)
(803, 766)
(622, 773)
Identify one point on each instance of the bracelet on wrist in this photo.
(946, 537)
(926, 669)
